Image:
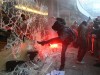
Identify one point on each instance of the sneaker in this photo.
(80, 62)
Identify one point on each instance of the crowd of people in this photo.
(88, 39)
(85, 37)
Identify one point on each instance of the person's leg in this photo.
(64, 47)
(96, 50)
(97, 64)
(81, 54)
(79, 50)
(82, 51)
(53, 40)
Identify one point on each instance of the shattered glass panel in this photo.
(25, 20)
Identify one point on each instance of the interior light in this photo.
(30, 10)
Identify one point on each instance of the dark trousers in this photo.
(82, 49)
(64, 47)
(89, 40)
(97, 48)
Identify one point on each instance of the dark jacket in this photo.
(82, 31)
(63, 31)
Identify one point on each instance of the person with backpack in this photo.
(65, 36)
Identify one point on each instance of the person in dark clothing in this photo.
(65, 36)
(89, 37)
(96, 32)
(82, 39)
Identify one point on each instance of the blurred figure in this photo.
(96, 32)
(75, 27)
(89, 36)
(96, 23)
(82, 39)
(65, 36)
